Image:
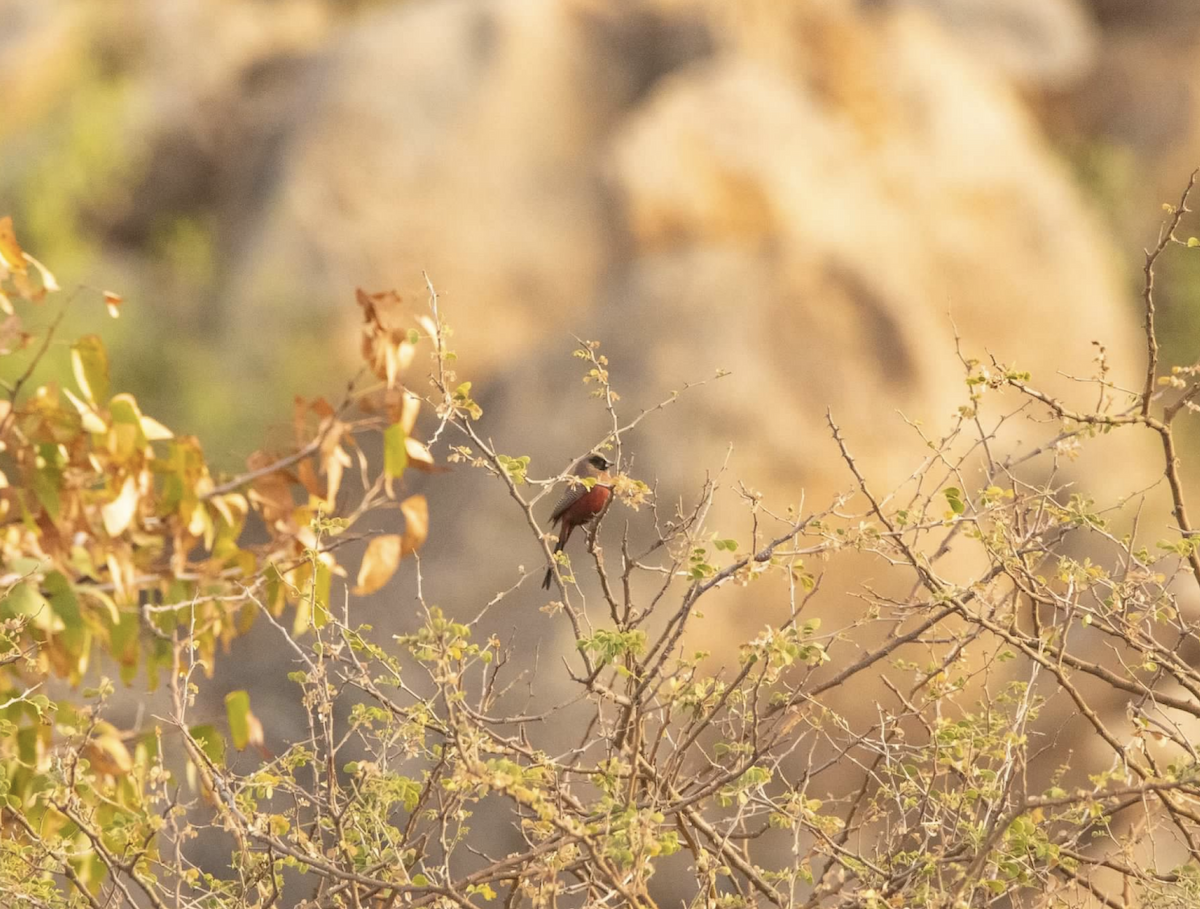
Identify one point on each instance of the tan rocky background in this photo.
(803, 193)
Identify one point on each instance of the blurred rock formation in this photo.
(801, 193)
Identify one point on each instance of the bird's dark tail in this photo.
(549, 579)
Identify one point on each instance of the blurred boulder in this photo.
(1037, 43)
(829, 182)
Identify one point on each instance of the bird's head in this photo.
(599, 462)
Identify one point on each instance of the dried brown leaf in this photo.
(12, 257)
(113, 303)
(379, 563)
(272, 493)
(118, 514)
(416, 523)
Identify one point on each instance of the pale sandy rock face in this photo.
(508, 151)
(801, 198)
(463, 139)
(1035, 43)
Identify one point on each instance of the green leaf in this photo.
(211, 742)
(66, 607)
(46, 483)
(237, 710)
(954, 499)
(1193, 242)
(90, 365)
(24, 599)
(483, 890)
(395, 455)
(514, 467)
(320, 595)
(462, 400)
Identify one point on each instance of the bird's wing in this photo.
(570, 495)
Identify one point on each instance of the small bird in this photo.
(578, 504)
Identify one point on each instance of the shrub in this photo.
(717, 787)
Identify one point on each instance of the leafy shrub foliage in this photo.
(720, 787)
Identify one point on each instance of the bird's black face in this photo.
(600, 462)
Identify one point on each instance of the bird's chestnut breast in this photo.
(594, 500)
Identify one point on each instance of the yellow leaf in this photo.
(232, 507)
(154, 430)
(244, 727)
(395, 454)
(416, 523)
(90, 364)
(409, 409)
(418, 454)
(118, 514)
(334, 463)
(272, 492)
(11, 254)
(106, 602)
(107, 753)
(48, 281)
(120, 570)
(379, 563)
(12, 337)
(91, 420)
(256, 733)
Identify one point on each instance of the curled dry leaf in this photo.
(384, 553)
(386, 344)
(245, 728)
(312, 484)
(118, 514)
(12, 257)
(418, 455)
(409, 411)
(12, 337)
(91, 420)
(154, 430)
(334, 460)
(256, 737)
(232, 507)
(49, 282)
(379, 563)
(13, 267)
(89, 362)
(272, 493)
(416, 523)
(106, 752)
(403, 407)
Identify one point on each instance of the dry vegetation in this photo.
(121, 550)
